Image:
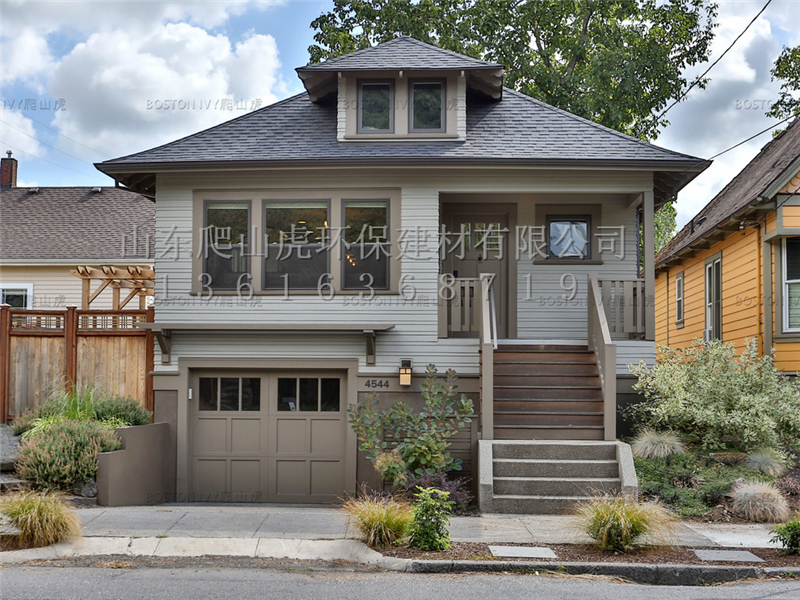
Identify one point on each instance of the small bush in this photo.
(657, 444)
(432, 510)
(42, 519)
(789, 536)
(123, 410)
(759, 502)
(457, 488)
(767, 461)
(789, 486)
(66, 455)
(616, 522)
(382, 521)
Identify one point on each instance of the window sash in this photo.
(714, 298)
(791, 285)
(412, 125)
(679, 298)
(389, 85)
(575, 234)
(233, 253)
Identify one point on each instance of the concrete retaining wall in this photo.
(135, 474)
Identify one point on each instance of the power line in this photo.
(23, 132)
(45, 160)
(700, 78)
(104, 154)
(789, 118)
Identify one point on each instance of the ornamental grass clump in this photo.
(617, 522)
(382, 520)
(760, 502)
(41, 518)
(66, 455)
(657, 444)
(767, 461)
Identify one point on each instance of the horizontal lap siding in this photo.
(787, 356)
(631, 352)
(416, 323)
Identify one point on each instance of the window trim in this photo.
(710, 303)
(359, 85)
(411, 128)
(28, 287)
(577, 217)
(785, 289)
(680, 298)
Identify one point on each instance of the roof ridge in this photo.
(599, 126)
(213, 127)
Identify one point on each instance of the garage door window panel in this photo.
(208, 393)
(329, 394)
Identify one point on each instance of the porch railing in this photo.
(459, 306)
(599, 340)
(624, 304)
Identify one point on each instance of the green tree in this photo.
(666, 224)
(616, 62)
(787, 70)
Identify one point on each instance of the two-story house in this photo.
(405, 209)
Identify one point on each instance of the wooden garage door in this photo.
(268, 437)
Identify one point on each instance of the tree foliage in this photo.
(616, 62)
(787, 70)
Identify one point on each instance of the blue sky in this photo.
(134, 75)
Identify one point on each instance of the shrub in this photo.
(767, 461)
(123, 410)
(760, 502)
(657, 444)
(719, 400)
(382, 521)
(789, 536)
(66, 455)
(457, 488)
(789, 486)
(432, 510)
(42, 518)
(24, 422)
(616, 522)
(421, 439)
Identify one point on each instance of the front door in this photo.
(478, 245)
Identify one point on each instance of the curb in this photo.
(649, 574)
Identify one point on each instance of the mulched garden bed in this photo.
(586, 553)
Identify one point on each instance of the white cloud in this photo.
(126, 92)
(25, 57)
(17, 133)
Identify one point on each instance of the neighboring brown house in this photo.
(733, 272)
(47, 232)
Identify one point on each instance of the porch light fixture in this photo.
(405, 371)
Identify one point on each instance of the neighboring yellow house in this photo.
(733, 272)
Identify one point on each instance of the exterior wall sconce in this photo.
(405, 371)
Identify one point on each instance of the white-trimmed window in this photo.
(17, 295)
(679, 298)
(714, 299)
(791, 284)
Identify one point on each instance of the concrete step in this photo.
(555, 486)
(528, 369)
(564, 419)
(565, 450)
(536, 505)
(531, 467)
(547, 432)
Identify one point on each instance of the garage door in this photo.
(268, 437)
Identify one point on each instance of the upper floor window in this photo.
(713, 299)
(376, 107)
(568, 237)
(679, 298)
(225, 247)
(791, 283)
(427, 106)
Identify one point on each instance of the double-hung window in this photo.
(366, 245)
(791, 284)
(297, 244)
(714, 298)
(376, 107)
(427, 100)
(568, 237)
(225, 244)
(17, 295)
(679, 298)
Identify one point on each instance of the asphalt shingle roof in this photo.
(75, 223)
(743, 190)
(400, 53)
(517, 128)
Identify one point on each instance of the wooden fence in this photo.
(40, 349)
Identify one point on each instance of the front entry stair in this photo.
(551, 476)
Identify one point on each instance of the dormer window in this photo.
(376, 107)
(427, 100)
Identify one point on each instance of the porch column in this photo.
(649, 267)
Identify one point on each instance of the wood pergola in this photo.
(134, 280)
